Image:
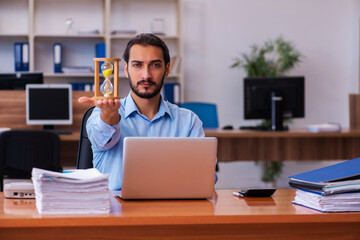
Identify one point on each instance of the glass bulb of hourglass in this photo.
(106, 87)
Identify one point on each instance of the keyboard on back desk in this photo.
(254, 128)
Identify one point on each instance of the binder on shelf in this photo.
(25, 56)
(57, 57)
(172, 92)
(88, 87)
(18, 56)
(100, 52)
(82, 86)
(75, 86)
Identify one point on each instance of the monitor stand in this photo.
(277, 113)
(51, 128)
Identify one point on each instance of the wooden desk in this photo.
(288, 145)
(223, 217)
(233, 144)
(13, 115)
(237, 145)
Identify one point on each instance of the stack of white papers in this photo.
(77, 191)
(325, 127)
(334, 188)
(344, 202)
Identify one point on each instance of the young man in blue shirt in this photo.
(142, 113)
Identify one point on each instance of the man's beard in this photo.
(146, 94)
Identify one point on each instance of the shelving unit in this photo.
(41, 23)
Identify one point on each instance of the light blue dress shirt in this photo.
(107, 140)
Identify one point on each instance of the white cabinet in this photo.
(113, 22)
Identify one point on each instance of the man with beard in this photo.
(143, 113)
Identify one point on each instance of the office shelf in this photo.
(42, 23)
(57, 36)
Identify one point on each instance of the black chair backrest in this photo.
(85, 154)
(21, 150)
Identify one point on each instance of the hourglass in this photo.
(107, 89)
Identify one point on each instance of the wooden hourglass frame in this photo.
(115, 94)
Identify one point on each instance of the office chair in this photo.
(21, 150)
(207, 112)
(85, 154)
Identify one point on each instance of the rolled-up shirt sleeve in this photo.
(102, 135)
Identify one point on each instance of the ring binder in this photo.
(25, 56)
(18, 56)
(172, 92)
(57, 57)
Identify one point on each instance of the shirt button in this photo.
(112, 130)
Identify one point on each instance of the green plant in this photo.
(273, 59)
(271, 171)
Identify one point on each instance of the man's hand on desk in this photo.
(109, 108)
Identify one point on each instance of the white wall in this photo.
(325, 31)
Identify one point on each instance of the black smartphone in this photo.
(255, 192)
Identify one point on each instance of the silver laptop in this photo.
(168, 168)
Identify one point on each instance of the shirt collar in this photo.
(131, 107)
(164, 109)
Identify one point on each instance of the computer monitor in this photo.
(274, 98)
(48, 105)
(18, 81)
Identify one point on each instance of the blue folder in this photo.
(18, 56)
(172, 92)
(100, 52)
(347, 170)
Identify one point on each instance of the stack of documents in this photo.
(329, 189)
(345, 202)
(77, 191)
(74, 69)
(325, 127)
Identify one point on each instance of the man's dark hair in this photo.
(147, 39)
